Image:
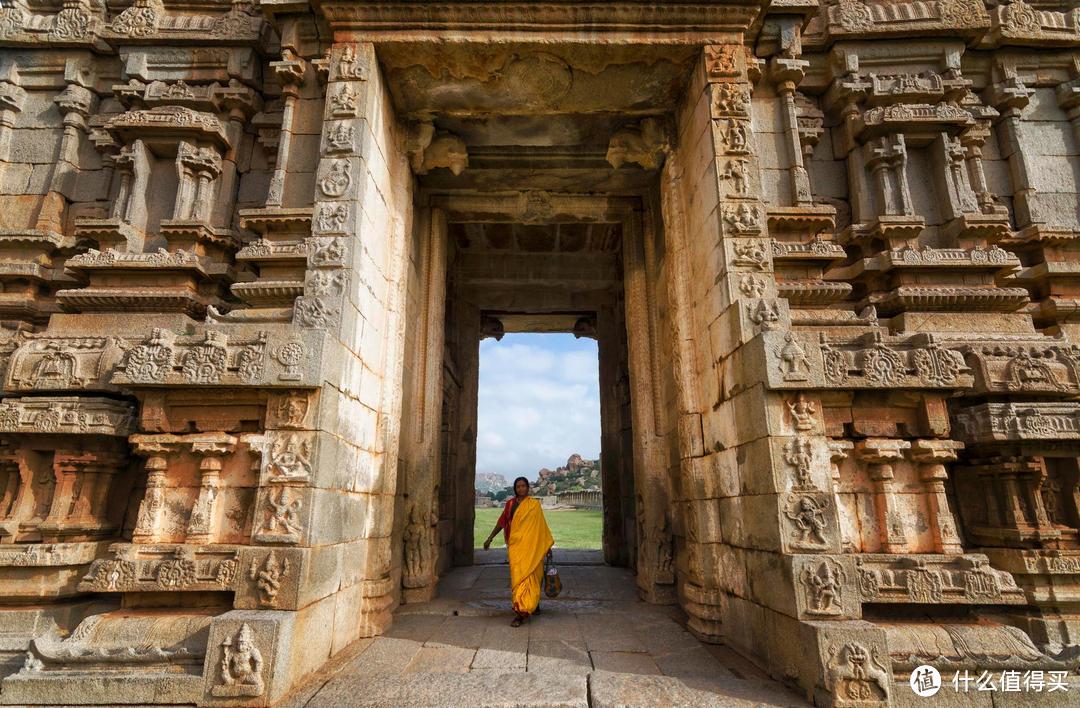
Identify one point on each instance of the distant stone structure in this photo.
(828, 249)
(591, 499)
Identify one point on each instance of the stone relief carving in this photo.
(339, 137)
(290, 411)
(823, 584)
(764, 313)
(736, 171)
(418, 538)
(291, 354)
(333, 217)
(241, 666)
(799, 454)
(735, 137)
(350, 67)
(882, 365)
(336, 179)
(857, 675)
(268, 577)
(645, 144)
(169, 567)
(281, 516)
(806, 514)
(794, 363)
(343, 102)
(288, 458)
(72, 415)
(923, 580)
(140, 19)
(206, 362)
(803, 413)
(752, 285)
(730, 99)
(742, 218)
(751, 254)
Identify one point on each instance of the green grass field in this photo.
(572, 528)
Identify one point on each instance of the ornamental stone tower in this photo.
(828, 250)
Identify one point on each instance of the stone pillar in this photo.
(973, 141)
(12, 100)
(788, 73)
(11, 486)
(132, 162)
(289, 72)
(932, 456)
(363, 202)
(210, 449)
(75, 103)
(610, 337)
(650, 462)
(64, 473)
(422, 432)
(157, 453)
(1068, 97)
(468, 317)
(879, 454)
(1010, 97)
(732, 286)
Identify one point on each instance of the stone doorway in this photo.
(530, 261)
(538, 417)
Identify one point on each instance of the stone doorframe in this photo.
(637, 494)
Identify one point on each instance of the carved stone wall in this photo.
(202, 350)
(247, 250)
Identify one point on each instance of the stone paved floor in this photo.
(596, 645)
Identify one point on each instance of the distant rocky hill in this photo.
(490, 482)
(576, 475)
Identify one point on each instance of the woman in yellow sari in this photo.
(528, 541)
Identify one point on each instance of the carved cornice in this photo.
(796, 360)
(626, 22)
(175, 121)
(858, 18)
(69, 415)
(83, 23)
(279, 356)
(1016, 422)
(1020, 22)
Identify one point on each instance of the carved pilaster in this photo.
(11, 483)
(12, 100)
(879, 455)
(157, 453)
(787, 71)
(75, 104)
(1010, 97)
(932, 456)
(79, 508)
(290, 74)
(210, 450)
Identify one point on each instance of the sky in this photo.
(539, 403)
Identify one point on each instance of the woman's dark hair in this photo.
(521, 479)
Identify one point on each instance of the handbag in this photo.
(552, 581)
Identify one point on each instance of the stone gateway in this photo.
(829, 250)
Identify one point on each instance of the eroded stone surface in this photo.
(431, 640)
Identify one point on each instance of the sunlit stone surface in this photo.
(248, 249)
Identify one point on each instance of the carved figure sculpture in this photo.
(241, 666)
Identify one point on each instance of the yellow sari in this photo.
(530, 540)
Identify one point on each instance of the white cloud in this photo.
(539, 402)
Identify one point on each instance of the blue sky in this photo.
(539, 403)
